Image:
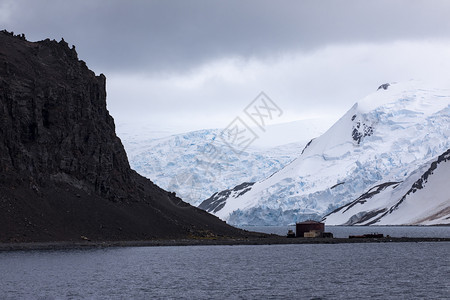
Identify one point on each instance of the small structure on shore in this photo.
(309, 229)
(312, 229)
(367, 236)
(291, 233)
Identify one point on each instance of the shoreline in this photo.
(72, 245)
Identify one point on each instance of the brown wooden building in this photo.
(309, 226)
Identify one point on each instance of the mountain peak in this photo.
(384, 86)
(382, 138)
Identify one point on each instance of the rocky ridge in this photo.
(64, 174)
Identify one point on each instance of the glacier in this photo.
(383, 138)
(177, 162)
(423, 198)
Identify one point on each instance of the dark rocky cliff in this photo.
(54, 123)
(63, 171)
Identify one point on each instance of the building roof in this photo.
(310, 222)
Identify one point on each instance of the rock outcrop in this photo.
(63, 171)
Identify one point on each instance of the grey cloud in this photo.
(155, 36)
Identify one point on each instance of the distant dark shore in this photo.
(272, 240)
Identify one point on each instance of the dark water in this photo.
(340, 271)
(345, 231)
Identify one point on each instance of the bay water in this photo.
(308, 271)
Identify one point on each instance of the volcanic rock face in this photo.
(63, 171)
(54, 123)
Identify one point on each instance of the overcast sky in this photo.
(197, 64)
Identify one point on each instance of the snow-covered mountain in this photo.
(383, 138)
(181, 163)
(423, 198)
